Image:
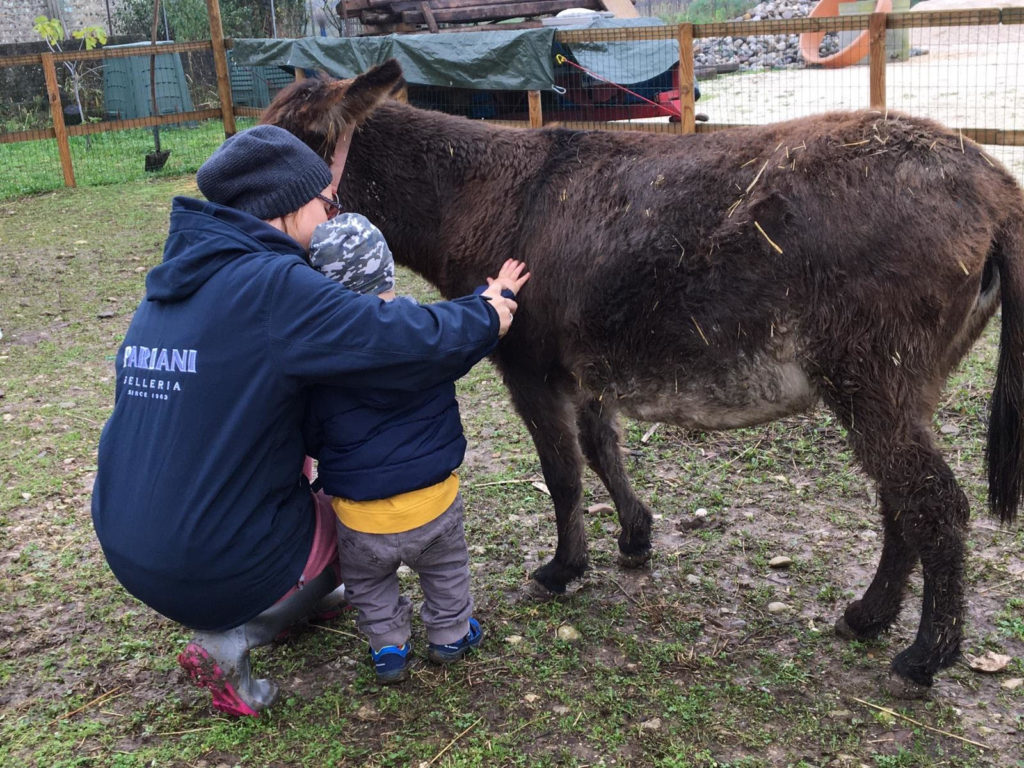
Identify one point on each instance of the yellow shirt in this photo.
(398, 513)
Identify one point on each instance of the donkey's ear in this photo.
(371, 88)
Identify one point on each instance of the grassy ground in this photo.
(117, 157)
(680, 664)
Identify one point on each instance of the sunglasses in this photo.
(333, 204)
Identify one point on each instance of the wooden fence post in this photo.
(57, 113)
(876, 59)
(686, 104)
(220, 63)
(536, 115)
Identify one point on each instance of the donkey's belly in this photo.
(739, 397)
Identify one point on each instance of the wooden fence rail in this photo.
(877, 24)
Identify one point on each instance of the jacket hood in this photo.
(202, 238)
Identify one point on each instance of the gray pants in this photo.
(437, 552)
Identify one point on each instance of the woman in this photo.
(199, 502)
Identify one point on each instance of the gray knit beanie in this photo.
(264, 171)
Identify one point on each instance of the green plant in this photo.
(187, 20)
(52, 31)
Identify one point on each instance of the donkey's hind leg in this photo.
(926, 516)
(599, 438)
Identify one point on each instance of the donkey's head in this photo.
(321, 111)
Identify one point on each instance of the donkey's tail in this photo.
(1005, 452)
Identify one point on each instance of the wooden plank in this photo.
(623, 9)
(536, 115)
(687, 109)
(398, 6)
(143, 122)
(428, 15)
(995, 136)
(592, 125)
(486, 12)
(876, 60)
(124, 53)
(57, 114)
(370, 18)
(220, 63)
(980, 17)
(36, 135)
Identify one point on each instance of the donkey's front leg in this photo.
(550, 417)
(599, 438)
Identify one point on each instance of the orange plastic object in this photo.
(851, 54)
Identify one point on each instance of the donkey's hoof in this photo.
(854, 625)
(844, 630)
(552, 577)
(635, 559)
(533, 590)
(903, 688)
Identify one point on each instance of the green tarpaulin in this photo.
(513, 60)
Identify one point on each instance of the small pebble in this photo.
(777, 607)
(568, 633)
(780, 562)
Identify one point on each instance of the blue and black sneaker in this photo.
(392, 663)
(449, 652)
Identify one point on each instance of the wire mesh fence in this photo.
(963, 69)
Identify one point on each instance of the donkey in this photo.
(717, 281)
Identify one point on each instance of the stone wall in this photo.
(17, 16)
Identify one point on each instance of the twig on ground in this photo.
(894, 713)
(187, 730)
(1000, 585)
(501, 482)
(99, 699)
(623, 591)
(336, 631)
(527, 724)
(448, 746)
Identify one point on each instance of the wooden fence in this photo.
(876, 24)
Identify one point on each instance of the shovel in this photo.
(155, 160)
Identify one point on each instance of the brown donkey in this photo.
(718, 281)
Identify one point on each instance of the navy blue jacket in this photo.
(378, 443)
(373, 444)
(197, 501)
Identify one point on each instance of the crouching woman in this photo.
(199, 502)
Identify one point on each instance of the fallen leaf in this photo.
(990, 662)
(542, 487)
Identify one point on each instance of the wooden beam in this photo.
(144, 122)
(686, 100)
(428, 15)
(488, 12)
(57, 113)
(876, 60)
(220, 64)
(536, 115)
